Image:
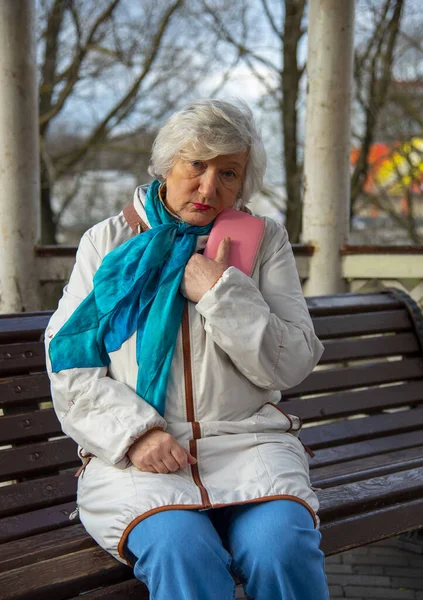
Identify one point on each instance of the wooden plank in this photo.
(43, 546)
(354, 430)
(357, 401)
(63, 577)
(355, 249)
(351, 303)
(369, 494)
(54, 250)
(343, 378)
(38, 459)
(370, 447)
(362, 324)
(369, 347)
(37, 493)
(129, 590)
(35, 425)
(22, 358)
(369, 527)
(365, 468)
(36, 521)
(24, 390)
(23, 326)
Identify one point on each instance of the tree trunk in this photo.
(290, 80)
(48, 221)
(294, 208)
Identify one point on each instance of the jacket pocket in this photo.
(269, 419)
(270, 410)
(270, 416)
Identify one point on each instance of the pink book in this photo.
(246, 233)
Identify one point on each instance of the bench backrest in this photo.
(366, 395)
(36, 459)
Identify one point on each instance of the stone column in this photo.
(327, 140)
(19, 157)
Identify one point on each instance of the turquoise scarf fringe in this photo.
(136, 288)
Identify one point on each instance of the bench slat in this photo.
(371, 447)
(362, 324)
(354, 430)
(37, 521)
(346, 403)
(14, 328)
(63, 577)
(370, 466)
(43, 546)
(29, 426)
(344, 378)
(40, 459)
(380, 346)
(375, 492)
(22, 358)
(351, 532)
(37, 493)
(24, 390)
(351, 303)
(129, 590)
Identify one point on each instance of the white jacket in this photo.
(244, 341)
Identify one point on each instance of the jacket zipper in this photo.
(189, 399)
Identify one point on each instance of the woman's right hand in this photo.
(159, 452)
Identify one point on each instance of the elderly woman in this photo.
(166, 368)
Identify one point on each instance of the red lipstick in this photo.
(201, 206)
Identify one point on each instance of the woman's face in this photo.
(198, 190)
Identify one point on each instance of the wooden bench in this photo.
(363, 417)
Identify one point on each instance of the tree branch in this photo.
(72, 72)
(119, 111)
(48, 69)
(224, 33)
(271, 20)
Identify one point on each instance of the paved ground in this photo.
(378, 571)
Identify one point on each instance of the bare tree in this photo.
(265, 36)
(389, 89)
(373, 66)
(108, 68)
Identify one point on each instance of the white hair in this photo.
(208, 128)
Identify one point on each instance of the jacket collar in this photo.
(139, 200)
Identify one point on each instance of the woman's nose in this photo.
(208, 184)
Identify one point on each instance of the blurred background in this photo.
(110, 73)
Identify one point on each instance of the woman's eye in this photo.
(197, 164)
(229, 174)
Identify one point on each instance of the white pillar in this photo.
(19, 157)
(327, 140)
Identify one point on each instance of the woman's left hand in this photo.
(202, 273)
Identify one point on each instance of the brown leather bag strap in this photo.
(133, 219)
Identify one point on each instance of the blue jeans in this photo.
(272, 547)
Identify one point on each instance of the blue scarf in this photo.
(136, 288)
